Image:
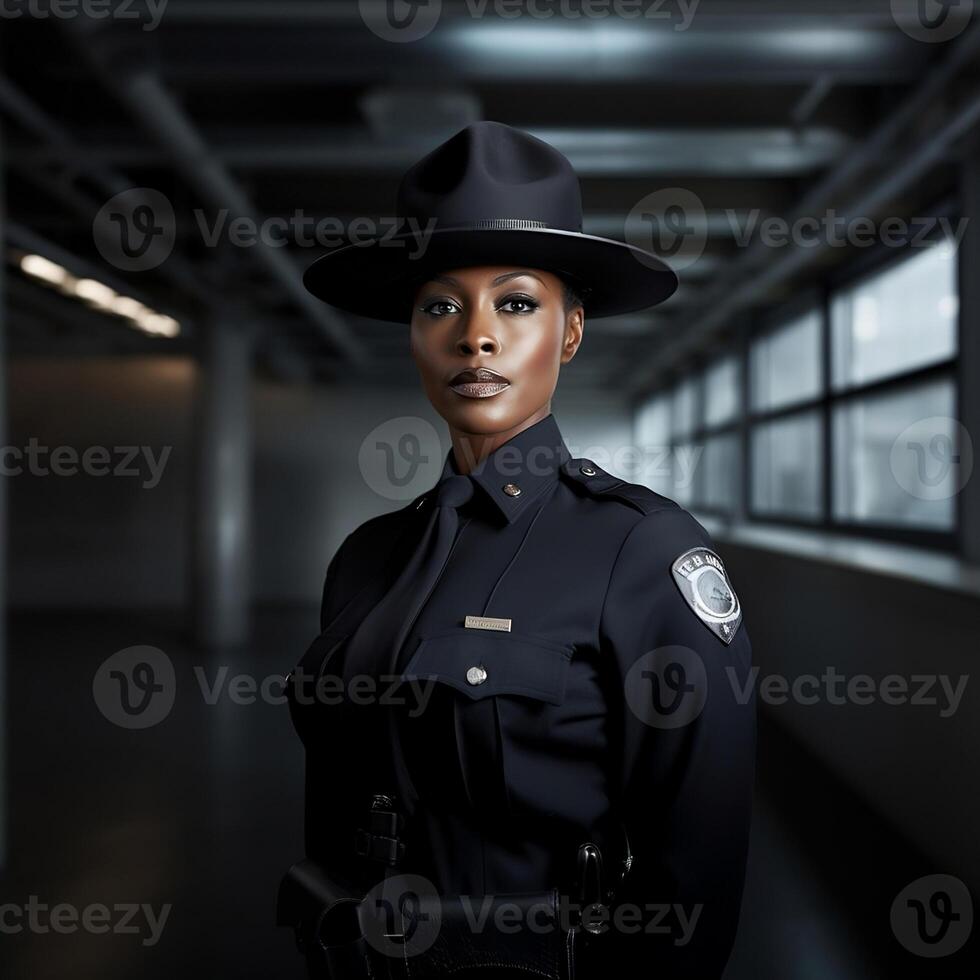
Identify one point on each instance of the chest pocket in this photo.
(499, 692)
(487, 663)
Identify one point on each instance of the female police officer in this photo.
(528, 722)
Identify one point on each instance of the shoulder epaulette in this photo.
(602, 485)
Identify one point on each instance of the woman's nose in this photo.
(477, 337)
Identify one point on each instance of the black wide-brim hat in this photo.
(490, 195)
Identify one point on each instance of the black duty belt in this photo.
(393, 930)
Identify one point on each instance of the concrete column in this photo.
(969, 346)
(222, 505)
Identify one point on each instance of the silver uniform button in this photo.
(512, 490)
(588, 471)
(476, 675)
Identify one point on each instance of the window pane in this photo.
(722, 473)
(684, 406)
(885, 472)
(785, 365)
(900, 319)
(685, 461)
(652, 433)
(722, 392)
(787, 468)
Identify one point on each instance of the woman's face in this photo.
(502, 319)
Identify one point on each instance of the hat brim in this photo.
(378, 278)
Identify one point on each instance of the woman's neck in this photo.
(471, 448)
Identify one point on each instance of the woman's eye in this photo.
(528, 304)
(436, 308)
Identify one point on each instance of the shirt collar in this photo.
(528, 463)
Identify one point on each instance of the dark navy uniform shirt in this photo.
(613, 708)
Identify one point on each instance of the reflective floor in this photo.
(167, 843)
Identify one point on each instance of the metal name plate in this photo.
(486, 623)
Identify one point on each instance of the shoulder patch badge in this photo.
(703, 581)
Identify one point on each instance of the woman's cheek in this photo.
(541, 362)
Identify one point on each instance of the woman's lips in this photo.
(478, 383)
(478, 389)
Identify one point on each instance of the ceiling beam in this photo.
(575, 53)
(754, 272)
(62, 150)
(157, 112)
(876, 13)
(596, 153)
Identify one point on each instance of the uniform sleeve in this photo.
(331, 602)
(684, 747)
(328, 826)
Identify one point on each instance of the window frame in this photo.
(739, 344)
(811, 301)
(702, 431)
(828, 399)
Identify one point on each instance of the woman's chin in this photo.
(486, 415)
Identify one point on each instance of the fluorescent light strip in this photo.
(100, 296)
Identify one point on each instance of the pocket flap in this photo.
(481, 663)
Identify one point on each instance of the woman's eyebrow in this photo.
(514, 275)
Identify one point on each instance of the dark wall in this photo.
(911, 764)
(115, 540)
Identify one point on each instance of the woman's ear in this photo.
(574, 327)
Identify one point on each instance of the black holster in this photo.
(323, 914)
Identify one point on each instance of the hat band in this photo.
(499, 224)
(510, 223)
